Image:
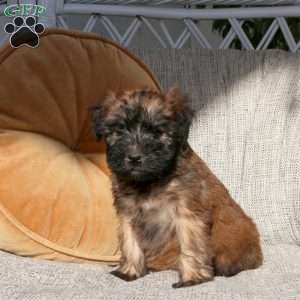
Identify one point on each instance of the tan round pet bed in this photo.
(55, 197)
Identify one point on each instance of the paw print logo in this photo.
(24, 32)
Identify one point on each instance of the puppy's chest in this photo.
(153, 221)
(152, 216)
(156, 204)
(152, 212)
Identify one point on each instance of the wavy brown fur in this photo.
(174, 214)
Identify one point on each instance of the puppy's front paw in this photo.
(124, 276)
(127, 276)
(181, 284)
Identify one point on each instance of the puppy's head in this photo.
(144, 131)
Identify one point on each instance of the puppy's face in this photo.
(144, 131)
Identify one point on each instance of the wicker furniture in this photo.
(154, 16)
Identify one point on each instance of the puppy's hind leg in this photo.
(194, 263)
(235, 243)
(132, 265)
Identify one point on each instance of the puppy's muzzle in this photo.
(134, 159)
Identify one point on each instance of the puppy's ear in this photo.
(98, 114)
(174, 97)
(184, 121)
(97, 119)
(183, 113)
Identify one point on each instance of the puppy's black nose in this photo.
(134, 159)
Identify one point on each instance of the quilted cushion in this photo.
(55, 197)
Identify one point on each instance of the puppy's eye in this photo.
(158, 131)
(116, 127)
(119, 127)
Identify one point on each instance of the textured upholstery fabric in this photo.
(29, 279)
(247, 129)
(55, 196)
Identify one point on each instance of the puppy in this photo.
(174, 212)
